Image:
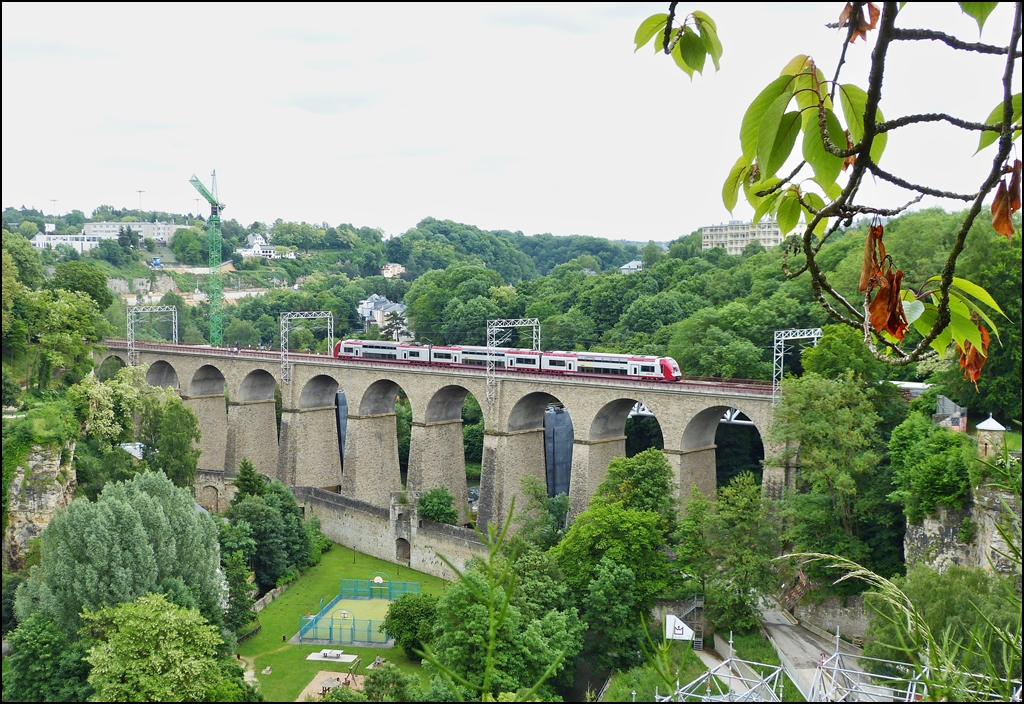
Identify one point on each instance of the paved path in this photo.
(800, 647)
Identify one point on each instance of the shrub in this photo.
(438, 505)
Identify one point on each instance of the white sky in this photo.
(537, 118)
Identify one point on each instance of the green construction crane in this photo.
(215, 294)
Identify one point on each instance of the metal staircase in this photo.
(693, 616)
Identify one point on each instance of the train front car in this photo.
(670, 369)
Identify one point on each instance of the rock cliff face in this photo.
(939, 541)
(44, 482)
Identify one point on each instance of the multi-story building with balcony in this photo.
(736, 235)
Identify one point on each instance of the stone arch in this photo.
(610, 421)
(104, 370)
(379, 398)
(700, 431)
(161, 375)
(446, 404)
(403, 550)
(207, 381)
(700, 450)
(528, 411)
(258, 385)
(319, 392)
(209, 498)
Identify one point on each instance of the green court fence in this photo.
(333, 629)
(326, 626)
(367, 589)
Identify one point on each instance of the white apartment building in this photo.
(94, 232)
(80, 243)
(159, 232)
(736, 235)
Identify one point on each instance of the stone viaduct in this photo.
(233, 397)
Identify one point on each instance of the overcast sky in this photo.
(537, 118)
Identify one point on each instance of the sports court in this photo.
(356, 614)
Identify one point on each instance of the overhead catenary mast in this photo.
(215, 293)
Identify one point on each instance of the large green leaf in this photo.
(912, 309)
(768, 135)
(766, 206)
(973, 289)
(853, 100)
(995, 117)
(785, 138)
(924, 324)
(854, 103)
(788, 214)
(811, 90)
(731, 187)
(816, 202)
(827, 166)
(964, 330)
(979, 11)
(704, 19)
(751, 125)
(709, 35)
(677, 56)
(648, 29)
(693, 50)
(752, 189)
(797, 64)
(975, 308)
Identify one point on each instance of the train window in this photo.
(349, 350)
(442, 355)
(414, 354)
(647, 368)
(556, 362)
(525, 360)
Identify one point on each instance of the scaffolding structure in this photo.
(133, 315)
(732, 680)
(837, 679)
(780, 352)
(499, 331)
(286, 328)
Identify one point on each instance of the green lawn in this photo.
(752, 647)
(291, 671)
(645, 679)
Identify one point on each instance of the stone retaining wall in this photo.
(830, 612)
(391, 534)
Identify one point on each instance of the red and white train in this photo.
(639, 366)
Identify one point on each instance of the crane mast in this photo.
(215, 293)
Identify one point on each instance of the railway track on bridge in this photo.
(742, 387)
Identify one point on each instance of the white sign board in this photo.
(676, 629)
